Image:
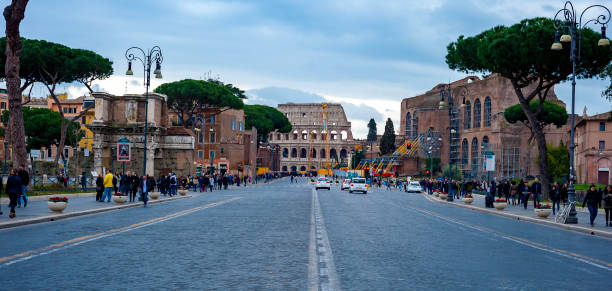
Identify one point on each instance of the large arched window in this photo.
(408, 124)
(475, 155)
(313, 154)
(485, 143)
(303, 153)
(293, 168)
(333, 154)
(342, 154)
(285, 153)
(294, 153)
(322, 155)
(477, 109)
(487, 111)
(464, 152)
(415, 125)
(467, 115)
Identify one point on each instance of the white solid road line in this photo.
(321, 268)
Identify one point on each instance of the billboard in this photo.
(124, 150)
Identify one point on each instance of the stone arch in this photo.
(295, 135)
(313, 135)
(285, 152)
(303, 168)
(284, 168)
(304, 135)
(487, 111)
(343, 154)
(322, 154)
(303, 153)
(293, 168)
(485, 143)
(464, 152)
(467, 115)
(474, 155)
(333, 154)
(344, 135)
(294, 153)
(313, 153)
(334, 135)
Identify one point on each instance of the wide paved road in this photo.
(288, 237)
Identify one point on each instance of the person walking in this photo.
(13, 190)
(563, 194)
(173, 184)
(555, 197)
(592, 200)
(84, 181)
(25, 180)
(608, 204)
(513, 192)
(525, 194)
(108, 186)
(145, 186)
(99, 187)
(536, 191)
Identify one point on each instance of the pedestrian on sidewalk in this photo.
(99, 187)
(555, 197)
(592, 200)
(536, 191)
(13, 190)
(84, 181)
(563, 194)
(513, 192)
(525, 194)
(145, 186)
(25, 180)
(608, 204)
(108, 186)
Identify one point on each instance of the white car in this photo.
(323, 183)
(345, 184)
(358, 185)
(413, 186)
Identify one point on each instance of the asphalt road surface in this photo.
(286, 236)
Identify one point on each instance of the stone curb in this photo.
(578, 208)
(576, 228)
(11, 224)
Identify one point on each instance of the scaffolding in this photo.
(510, 164)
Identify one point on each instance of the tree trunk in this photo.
(62, 141)
(538, 133)
(13, 14)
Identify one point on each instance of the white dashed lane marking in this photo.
(321, 269)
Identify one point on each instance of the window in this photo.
(240, 125)
(602, 126)
(221, 150)
(286, 136)
(415, 125)
(200, 154)
(487, 112)
(303, 115)
(477, 112)
(485, 143)
(278, 136)
(322, 154)
(212, 118)
(602, 144)
(285, 153)
(211, 155)
(201, 137)
(83, 120)
(294, 153)
(233, 124)
(303, 153)
(467, 115)
(65, 110)
(464, 152)
(3, 105)
(475, 155)
(212, 137)
(408, 124)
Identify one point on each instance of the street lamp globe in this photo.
(604, 41)
(566, 37)
(556, 46)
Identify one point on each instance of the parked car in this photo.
(413, 186)
(345, 184)
(358, 185)
(323, 183)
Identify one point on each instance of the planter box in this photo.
(436, 194)
(119, 199)
(467, 200)
(500, 205)
(443, 196)
(183, 192)
(543, 213)
(154, 195)
(57, 207)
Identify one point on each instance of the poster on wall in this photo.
(123, 152)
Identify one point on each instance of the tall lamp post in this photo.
(154, 55)
(447, 94)
(567, 18)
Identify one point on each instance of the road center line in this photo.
(321, 268)
(578, 257)
(6, 261)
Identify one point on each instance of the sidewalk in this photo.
(518, 212)
(38, 211)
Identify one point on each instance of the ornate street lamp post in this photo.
(154, 55)
(567, 19)
(447, 94)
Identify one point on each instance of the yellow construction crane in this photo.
(325, 136)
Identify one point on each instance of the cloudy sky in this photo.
(367, 55)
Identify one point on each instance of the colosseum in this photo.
(305, 147)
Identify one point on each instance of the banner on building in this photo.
(489, 162)
(124, 150)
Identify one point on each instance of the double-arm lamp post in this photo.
(153, 56)
(446, 93)
(568, 19)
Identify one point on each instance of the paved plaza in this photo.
(283, 236)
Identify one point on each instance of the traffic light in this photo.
(409, 146)
(427, 172)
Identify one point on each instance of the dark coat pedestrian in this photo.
(13, 190)
(593, 201)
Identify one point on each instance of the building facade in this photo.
(482, 128)
(593, 151)
(308, 147)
